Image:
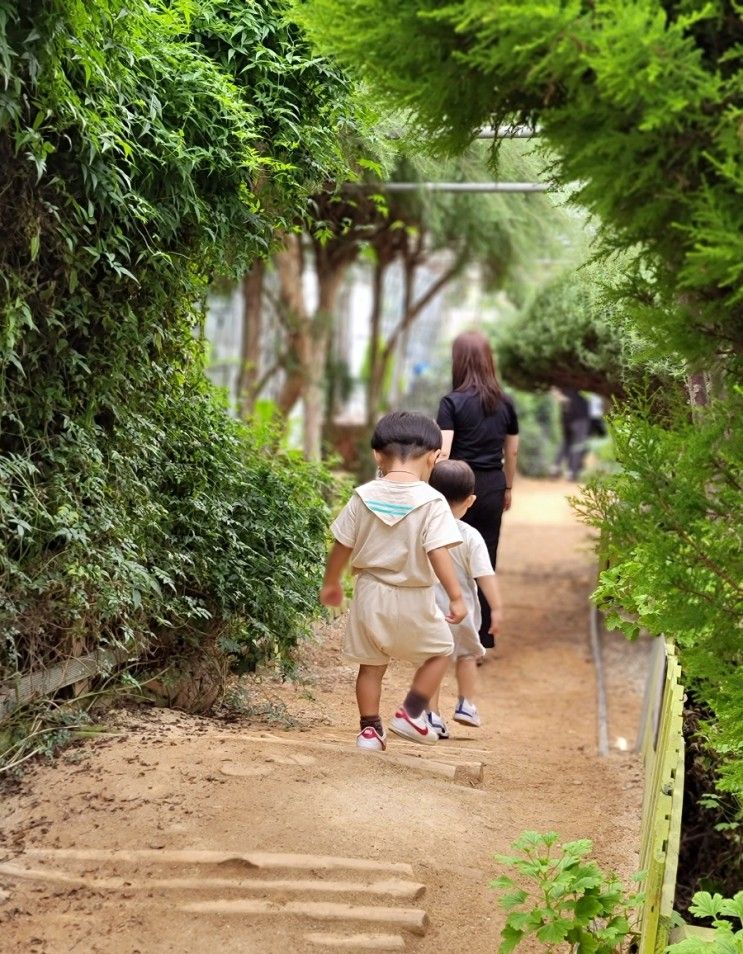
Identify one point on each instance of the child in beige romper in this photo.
(397, 531)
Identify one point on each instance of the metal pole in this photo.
(594, 624)
(507, 132)
(460, 186)
(490, 132)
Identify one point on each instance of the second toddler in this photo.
(455, 480)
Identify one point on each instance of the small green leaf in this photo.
(555, 931)
(510, 938)
(706, 905)
(509, 901)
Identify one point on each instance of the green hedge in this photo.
(145, 147)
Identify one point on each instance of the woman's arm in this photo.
(447, 439)
(511, 453)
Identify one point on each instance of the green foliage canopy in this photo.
(642, 103)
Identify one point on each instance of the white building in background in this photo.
(457, 307)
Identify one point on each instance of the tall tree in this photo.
(501, 233)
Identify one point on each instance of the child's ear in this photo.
(469, 501)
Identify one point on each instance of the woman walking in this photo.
(480, 426)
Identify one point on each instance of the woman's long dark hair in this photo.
(473, 369)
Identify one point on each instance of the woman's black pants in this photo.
(485, 515)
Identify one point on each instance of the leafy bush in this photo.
(671, 531)
(146, 146)
(569, 900)
(179, 524)
(576, 334)
(727, 937)
(711, 850)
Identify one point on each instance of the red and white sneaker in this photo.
(415, 730)
(369, 738)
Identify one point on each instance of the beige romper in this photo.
(391, 527)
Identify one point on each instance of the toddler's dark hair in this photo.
(404, 434)
(455, 479)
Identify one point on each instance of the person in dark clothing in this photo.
(576, 422)
(480, 426)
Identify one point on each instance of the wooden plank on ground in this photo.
(250, 859)
(408, 919)
(406, 890)
(357, 942)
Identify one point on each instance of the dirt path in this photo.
(96, 847)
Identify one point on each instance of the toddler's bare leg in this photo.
(427, 679)
(467, 677)
(369, 689)
(434, 702)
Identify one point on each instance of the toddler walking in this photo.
(397, 531)
(455, 480)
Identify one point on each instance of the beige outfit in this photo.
(391, 527)
(471, 561)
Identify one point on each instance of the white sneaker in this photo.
(437, 724)
(369, 738)
(416, 730)
(466, 713)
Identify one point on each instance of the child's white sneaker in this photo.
(369, 738)
(466, 713)
(437, 724)
(416, 730)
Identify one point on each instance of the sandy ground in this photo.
(322, 847)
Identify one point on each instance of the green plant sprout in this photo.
(562, 898)
(725, 938)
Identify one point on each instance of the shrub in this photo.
(560, 897)
(576, 334)
(539, 432)
(178, 524)
(672, 534)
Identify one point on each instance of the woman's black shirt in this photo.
(478, 437)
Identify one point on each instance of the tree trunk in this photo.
(376, 374)
(252, 333)
(329, 278)
(698, 390)
(293, 313)
(381, 357)
(401, 351)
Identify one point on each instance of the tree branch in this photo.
(417, 307)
